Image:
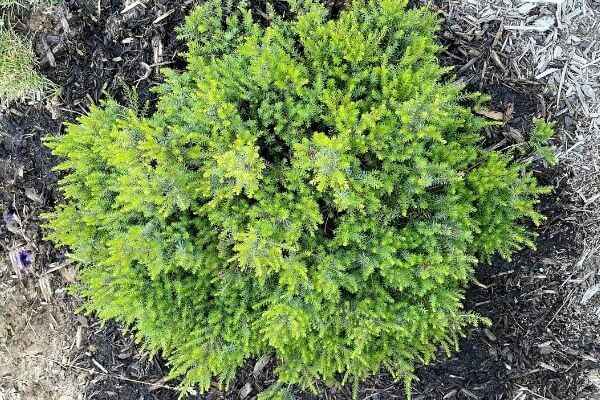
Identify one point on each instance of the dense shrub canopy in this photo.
(311, 188)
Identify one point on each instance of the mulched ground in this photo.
(90, 48)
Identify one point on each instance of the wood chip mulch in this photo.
(538, 58)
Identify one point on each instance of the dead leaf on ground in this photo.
(495, 115)
(510, 109)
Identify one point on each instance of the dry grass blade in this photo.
(18, 78)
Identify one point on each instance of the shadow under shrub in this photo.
(312, 189)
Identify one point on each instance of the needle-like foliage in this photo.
(311, 189)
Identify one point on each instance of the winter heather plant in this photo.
(312, 189)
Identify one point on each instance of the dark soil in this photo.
(89, 51)
(521, 298)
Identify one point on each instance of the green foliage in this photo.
(276, 392)
(542, 132)
(311, 188)
(18, 78)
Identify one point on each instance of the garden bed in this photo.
(543, 342)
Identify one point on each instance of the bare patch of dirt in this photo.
(34, 335)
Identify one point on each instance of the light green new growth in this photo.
(312, 189)
(18, 78)
(541, 133)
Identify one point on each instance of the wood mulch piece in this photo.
(542, 343)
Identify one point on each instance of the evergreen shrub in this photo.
(312, 189)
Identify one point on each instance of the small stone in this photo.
(246, 390)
